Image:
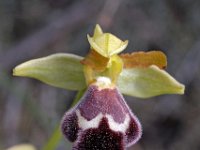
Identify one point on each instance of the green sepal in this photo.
(148, 82)
(60, 70)
(106, 44)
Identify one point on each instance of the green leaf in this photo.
(148, 82)
(59, 70)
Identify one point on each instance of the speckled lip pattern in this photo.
(101, 121)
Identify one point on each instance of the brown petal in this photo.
(95, 61)
(144, 59)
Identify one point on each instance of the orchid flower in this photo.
(102, 120)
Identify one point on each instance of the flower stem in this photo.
(56, 136)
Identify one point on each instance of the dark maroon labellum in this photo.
(101, 121)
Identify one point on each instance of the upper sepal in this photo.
(59, 70)
(148, 82)
(106, 44)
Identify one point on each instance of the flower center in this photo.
(103, 82)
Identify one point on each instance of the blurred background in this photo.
(30, 110)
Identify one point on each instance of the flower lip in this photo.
(105, 112)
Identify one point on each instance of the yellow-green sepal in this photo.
(106, 44)
(60, 70)
(148, 82)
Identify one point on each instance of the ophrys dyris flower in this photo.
(102, 120)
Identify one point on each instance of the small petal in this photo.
(96, 61)
(148, 82)
(22, 147)
(144, 59)
(59, 70)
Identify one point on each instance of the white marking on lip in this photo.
(119, 127)
(84, 124)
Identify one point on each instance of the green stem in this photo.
(53, 140)
(57, 135)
